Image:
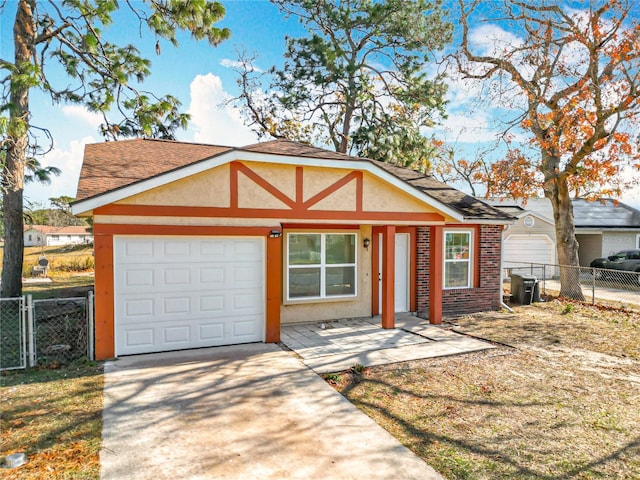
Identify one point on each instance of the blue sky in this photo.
(200, 76)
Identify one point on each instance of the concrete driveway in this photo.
(247, 412)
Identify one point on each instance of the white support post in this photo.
(31, 332)
(90, 333)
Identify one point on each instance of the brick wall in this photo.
(485, 296)
(422, 271)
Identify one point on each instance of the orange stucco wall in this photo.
(249, 198)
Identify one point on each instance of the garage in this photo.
(176, 292)
(521, 249)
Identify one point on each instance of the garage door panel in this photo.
(140, 277)
(211, 275)
(536, 248)
(161, 304)
(247, 250)
(212, 249)
(175, 276)
(211, 331)
(135, 308)
(134, 250)
(139, 338)
(177, 334)
(211, 303)
(246, 327)
(242, 303)
(175, 249)
(176, 305)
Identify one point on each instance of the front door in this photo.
(402, 269)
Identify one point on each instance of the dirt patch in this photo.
(562, 404)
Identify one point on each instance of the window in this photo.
(30, 237)
(321, 265)
(457, 258)
(529, 221)
(638, 241)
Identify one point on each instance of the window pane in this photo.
(341, 248)
(456, 274)
(304, 282)
(304, 249)
(340, 281)
(457, 245)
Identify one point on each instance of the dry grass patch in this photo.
(562, 404)
(62, 285)
(55, 417)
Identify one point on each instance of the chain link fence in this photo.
(45, 332)
(13, 335)
(61, 329)
(599, 286)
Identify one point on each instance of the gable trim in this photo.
(290, 214)
(87, 205)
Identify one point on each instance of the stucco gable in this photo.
(139, 169)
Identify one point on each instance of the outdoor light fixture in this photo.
(275, 234)
(365, 243)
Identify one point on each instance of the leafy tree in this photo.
(357, 81)
(514, 176)
(60, 215)
(574, 74)
(73, 37)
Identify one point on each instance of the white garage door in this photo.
(174, 293)
(521, 249)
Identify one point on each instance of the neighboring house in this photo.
(202, 245)
(602, 228)
(44, 235)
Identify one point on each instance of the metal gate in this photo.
(45, 332)
(13, 333)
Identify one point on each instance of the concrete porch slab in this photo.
(337, 345)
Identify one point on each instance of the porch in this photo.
(332, 346)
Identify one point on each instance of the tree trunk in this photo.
(556, 189)
(18, 140)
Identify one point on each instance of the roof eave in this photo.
(84, 206)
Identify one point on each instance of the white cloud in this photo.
(213, 121)
(492, 40)
(631, 196)
(78, 112)
(228, 63)
(473, 127)
(68, 160)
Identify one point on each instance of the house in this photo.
(602, 228)
(45, 235)
(203, 245)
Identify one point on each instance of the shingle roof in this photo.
(605, 214)
(468, 206)
(295, 149)
(112, 165)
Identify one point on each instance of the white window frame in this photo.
(638, 240)
(322, 265)
(470, 260)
